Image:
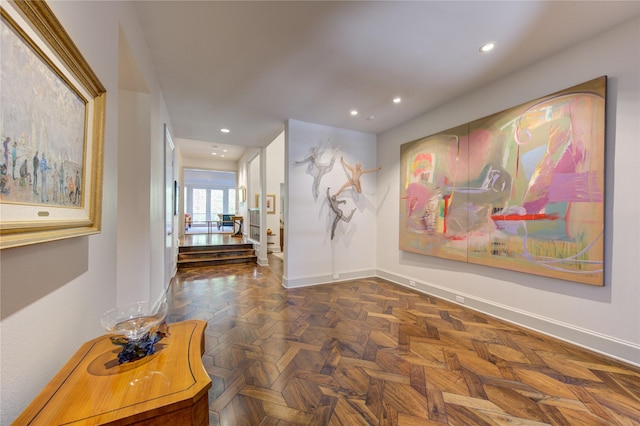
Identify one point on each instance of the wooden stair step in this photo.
(227, 247)
(215, 254)
(195, 262)
(211, 255)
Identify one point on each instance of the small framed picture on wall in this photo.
(271, 203)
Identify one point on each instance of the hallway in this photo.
(373, 353)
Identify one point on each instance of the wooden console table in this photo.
(167, 387)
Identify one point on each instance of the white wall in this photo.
(255, 188)
(134, 257)
(156, 187)
(607, 318)
(53, 294)
(275, 176)
(208, 164)
(141, 172)
(312, 256)
(244, 179)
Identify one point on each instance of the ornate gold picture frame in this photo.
(52, 131)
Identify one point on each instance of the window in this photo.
(232, 198)
(199, 210)
(208, 194)
(217, 202)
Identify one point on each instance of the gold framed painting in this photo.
(52, 129)
(271, 203)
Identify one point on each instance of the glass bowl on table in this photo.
(137, 327)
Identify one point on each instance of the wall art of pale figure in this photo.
(315, 165)
(353, 176)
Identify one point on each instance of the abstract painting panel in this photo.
(522, 189)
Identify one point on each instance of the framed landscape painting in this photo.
(522, 189)
(52, 129)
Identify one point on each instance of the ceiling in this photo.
(249, 66)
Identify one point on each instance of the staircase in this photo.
(195, 256)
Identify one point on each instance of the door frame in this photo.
(170, 201)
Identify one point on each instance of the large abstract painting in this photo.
(522, 189)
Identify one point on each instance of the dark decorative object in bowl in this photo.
(138, 327)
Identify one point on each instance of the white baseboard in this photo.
(327, 279)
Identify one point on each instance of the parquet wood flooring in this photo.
(369, 352)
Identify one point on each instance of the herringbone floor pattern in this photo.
(368, 352)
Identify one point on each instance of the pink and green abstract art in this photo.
(522, 189)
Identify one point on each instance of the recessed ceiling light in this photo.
(397, 100)
(487, 47)
(214, 153)
(224, 150)
(225, 130)
(354, 112)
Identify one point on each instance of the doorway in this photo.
(209, 197)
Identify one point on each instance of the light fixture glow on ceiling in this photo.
(214, 153)
(354, 112)
(225, 130)
(487, 47)
(397, 100)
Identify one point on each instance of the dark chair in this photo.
(225, 220)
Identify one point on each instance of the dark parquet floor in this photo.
(369, 352)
